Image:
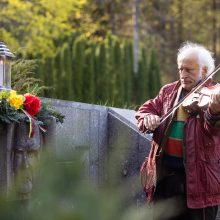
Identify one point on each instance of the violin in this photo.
(198, 98)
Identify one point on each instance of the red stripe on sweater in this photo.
(174, 147)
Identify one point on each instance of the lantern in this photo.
(5, 67)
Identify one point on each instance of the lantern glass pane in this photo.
(2, 72)
(7, 80)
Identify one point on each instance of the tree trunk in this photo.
(214, 27)
(136, 4)
(180, 22)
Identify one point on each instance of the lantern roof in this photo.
(5, 52)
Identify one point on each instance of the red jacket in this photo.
(202, 141)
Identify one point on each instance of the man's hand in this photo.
(215, 102)
(151, 122)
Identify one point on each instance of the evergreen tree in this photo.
(68, 77)
(40, 72)
(144, 76)
(154, 75)
(78, 60)
(48, 77)
(63, 92)
(118, 95)
(101, 74)
(110, 68)
(52, 90)
(58, 79)
(88, 79)
(128, 71)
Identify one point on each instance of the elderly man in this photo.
(186, 146)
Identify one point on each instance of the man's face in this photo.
(189, 71)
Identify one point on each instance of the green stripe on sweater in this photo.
(177, 130)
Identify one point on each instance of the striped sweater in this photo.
(173, 151)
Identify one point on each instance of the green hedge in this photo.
(101, 72)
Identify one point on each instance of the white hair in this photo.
(205, 57)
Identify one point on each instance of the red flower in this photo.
(31, 104)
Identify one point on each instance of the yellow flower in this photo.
(15, 100)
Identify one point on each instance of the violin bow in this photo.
(196, 88)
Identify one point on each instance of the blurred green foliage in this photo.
(79, 57)
(38, 28)
(34, 26)
(62, 191)
(24, 77)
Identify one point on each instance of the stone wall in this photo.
(100, 131)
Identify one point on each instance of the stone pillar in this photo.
(19, 152)
(6, 145)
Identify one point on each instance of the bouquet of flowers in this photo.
(27, 107)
